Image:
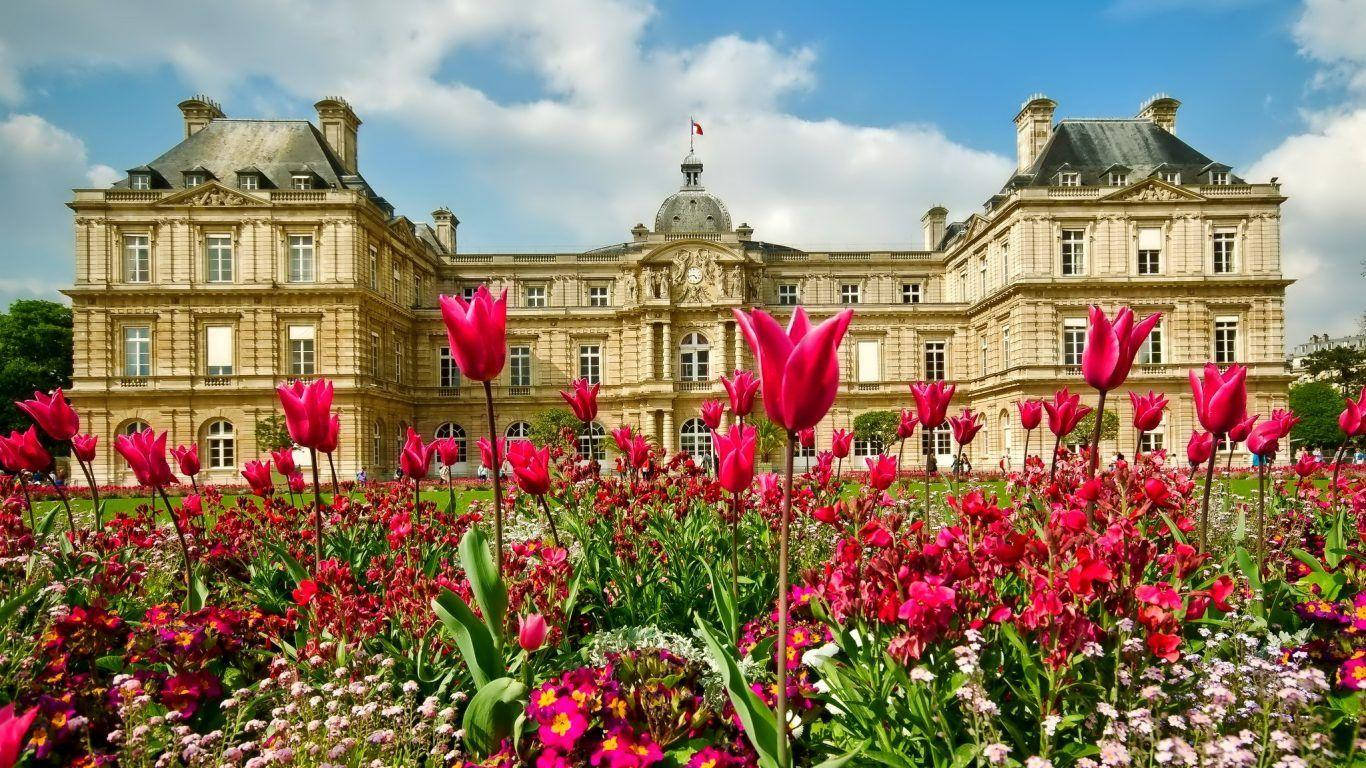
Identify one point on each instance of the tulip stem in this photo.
(1138, 447)
(1261, 517)
(1053, 468)
(1337, 467)
(333, 468)
(549, 518)
(417, 496)
(497, 471)
(1024, 465)
(94, 493)
(782, 602)
(194, 486)
(735, 548)
(1204, 507)
(317, 513)
(1095, 438)
(28, 501)
(61, 494)
(180, 535)
(450, 489)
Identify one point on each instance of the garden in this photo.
(665, 609)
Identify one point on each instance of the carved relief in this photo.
(696, 277)
(216, 196)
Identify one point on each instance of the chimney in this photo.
(198, 111)
(1033, 126)
(1161, 109)
(933, 223)
(339, 125)
(446, 222)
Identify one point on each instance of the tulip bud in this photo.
(531, 632)
(841, 441)
(741, 388)
(712, 411)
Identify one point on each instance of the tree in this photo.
(1345, 367)
(1086, 428)
(272, 433)
(548, 426)
(878, 427)
(768, 437)
(1317, 404)
(35, 354)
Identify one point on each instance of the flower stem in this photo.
(782, 602)
(332, 467)
(735, 548)
(1261, 517)
(1053, 468)
(1337, 466)
(549, 518)
(180, 535)
(497, 480)
(317, 513)
(1204, 507)
(61, 494)
(1095, 438)
(94, 493)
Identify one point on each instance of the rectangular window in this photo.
(1073, 251)
(396, 284)
(1118, 179)
(137, 259)
(1225, 340)
(787, 294)
(302, 355)
(869, 361)
(590, 363)
(301, 182)
(218, 350)
(398, 361)
(849, 293)
(1073, 340)
(519, 366)
(983, 362)
(467, 292)
(937, 441)
(140, 181)
(598, 296)
(1151, 351)
(1069, 179)
(1218, 178)
(137, 351)
(301, 266)
(374, 355)
(535, 296)
(249, 181)
(1224, 251)
(417, 289)
(1152, 441)
(193, 179)
(982, 275)
(374, 268)
(910, 293)
(219, 251)
(935, 362)
(1005, 346)
(1171, 177)
(1149, 251)
(449, 371)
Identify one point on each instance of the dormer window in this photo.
(249, 181)
(301, 181)
(1069, 179)
(1118, 179)
(140, 181)
(194, 179)
(1171, 177)
(1218, 178)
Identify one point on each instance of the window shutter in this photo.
(220, 346)
(869, 364)
(1150, 239)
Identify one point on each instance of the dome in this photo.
(692, 208)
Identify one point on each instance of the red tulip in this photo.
(284, 460)
(146, 455)
(965, 426)
(841, 441)
(1238, 432)
(328, 445)
(735, 456)
(1065, 412)
(1031, 413)
(583, 399)
(1111, 347)
(1352, 420)
(530, 467)
(84, 447)
(308, 411)
(53, 414)
(1157, 491)
(416, 457)
(447, 450)
(905, 426)
(1147, 410)
(531, 632)
(23, 451)
(622, 437)
(881, 471)
(830, 515)
(486, 456)
(806, 438)
(1220, 398)
(1220, 591)
(742, 387)
(798, 367)
(712, 410)
(192, 505)
(477, 332)
(1200, 447)
(12, 732)
(1265, 439)
(257, 475)
(187, 458)
(932, 402)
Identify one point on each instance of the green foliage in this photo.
(35, 354)
(272, 434)
(878, 426)
(1344, 367)
(1317, 404)
(760, 723)
(548, 426)
(1086, 428)
(769, 437)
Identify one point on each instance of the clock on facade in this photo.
(695, 275)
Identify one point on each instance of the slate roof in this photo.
(1092, 147)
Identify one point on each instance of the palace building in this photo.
(254, 252)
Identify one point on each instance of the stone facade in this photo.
(198, 290)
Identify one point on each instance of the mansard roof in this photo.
(1092, 147)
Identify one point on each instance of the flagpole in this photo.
(691, 122)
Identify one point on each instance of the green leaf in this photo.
(198, 594)
(725, 606)
(472, 637)
(485, 581)
(836, 762)
(1249, 568)
(1171, 526)
(492, 712)
(1334, 544)
(12, 606)
(760, 723)
(296, 570)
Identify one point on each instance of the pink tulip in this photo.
(881, 471)
(965, 426)
(1200, 447)
(530, 467)
(477, 332)
(1286, 419)
(1265, 438)
(416, 456)
(296, 482)
(486, 450)
(24, 452)
(12, 732)
(806, 438)
(932, 402)
(770, 483)
(1306, 465)
(308, 411)
(1031, 413)
(1111, 347)
(447, 450)
(84, 447)
(742, 386)
(1065, 412)
(257, 475)
(1220, 398)
(1147, 410)
(582, 398)
(622, 437)
(284, 460)
(639, 452)
(192, 505)
(146, 455)
(798, 367)
(531, 632)
(712, 410)
(328, 445)
(187, 458)
(1239, 432)
(841, 441)
(53, 414)
(905, 426)
(735, 457)
(1352, 420)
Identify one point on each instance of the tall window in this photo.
(935, 363)
(695, 438)
(137, 259)
(1225, 339)
(535, 296)
(1073, 251)
(869, 361)
(938, 440)
(377, 443)
(1151, 351)
(590, 363)
(519, 366)
(396, 284)
(218, 350)
(456, 433)
(518, 430)
(1005, 346)
(218, 248)
(374, 268)
(1149, 251)
(982, 275)
(301, 266)
(374, 355)
(398, 361)
(1224, 240)
(694, 358)
(1073, 340)
(302, 352)
(137, 351)
(591, 442)
(910, 293)
(982, 369)
(849, 293)
(1153, 441)
(219, 444)
(449, 371)
(598, 296)
(1069, 179)
(787, 294)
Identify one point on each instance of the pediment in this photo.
(212, 194)
(1152, 191)
(692, 272)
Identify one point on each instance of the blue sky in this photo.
(550, 125)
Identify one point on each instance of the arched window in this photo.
(695, 438)
(694, 358)
(456, 432)
(220, 445)
(135, 426)
(518, 430)
(590, 442)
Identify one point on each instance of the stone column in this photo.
(647, 370)
(668, 352)
(667, 439)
